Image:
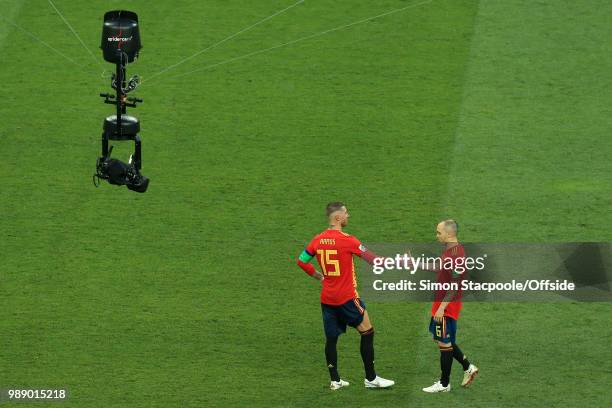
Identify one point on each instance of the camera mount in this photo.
(120, 46)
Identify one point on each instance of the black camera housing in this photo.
(120, 37)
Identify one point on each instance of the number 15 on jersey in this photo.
(330, 266)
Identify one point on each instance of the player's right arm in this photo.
(361, 251)
(304, 262)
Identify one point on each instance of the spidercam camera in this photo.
(120, 46)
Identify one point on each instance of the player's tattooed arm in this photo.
(369, 256)
(364, 253)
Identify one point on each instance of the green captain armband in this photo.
(305, 256)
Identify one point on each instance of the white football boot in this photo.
(438, 387)
(378, 382)
(468, 375)
(336, 385)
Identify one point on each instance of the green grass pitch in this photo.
(495, 112)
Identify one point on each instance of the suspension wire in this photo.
(75, 33)
(244, 30)
(45, 44)
(302, 39)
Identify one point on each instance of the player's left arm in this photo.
(304, 263)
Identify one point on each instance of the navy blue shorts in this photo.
(336, 318)
(444, 331)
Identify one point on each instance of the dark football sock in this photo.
(331, 355)
(460, 357)
(446, 362)
(367, 353)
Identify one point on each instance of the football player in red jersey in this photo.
(447, 306)
(340, 302)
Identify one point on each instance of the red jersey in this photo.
(334, 250)
(451, 269)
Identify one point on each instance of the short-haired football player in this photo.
(446, 308)
(340, 303)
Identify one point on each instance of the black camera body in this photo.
(120, 35)
(119, 173)
(120, 45)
